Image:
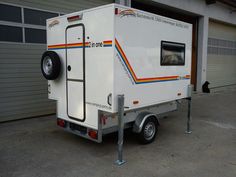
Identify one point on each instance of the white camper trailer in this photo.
(97, 54)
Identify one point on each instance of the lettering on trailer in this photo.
(133, 13)
(101, 44)
(99, 105)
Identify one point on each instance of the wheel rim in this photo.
(47, 65)
(149, 130)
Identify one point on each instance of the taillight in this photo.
(116, 11)
(61, 123)
(75, 18)
(135, 102)
(93, 134)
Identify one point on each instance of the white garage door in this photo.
(221, 61)
(23, 90)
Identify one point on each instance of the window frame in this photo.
(23, 25)
(34, 30)
(171, 42)
(41, 11)
(19, 8)
(20, 33)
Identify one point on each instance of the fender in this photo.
(139, 121)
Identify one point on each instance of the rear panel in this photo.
(86, 77)
(152, 57)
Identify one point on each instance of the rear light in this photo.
(116, 11)
(61, 123)
(75, 18)
(135, 102)
(93, 134)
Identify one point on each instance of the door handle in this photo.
(68, 67)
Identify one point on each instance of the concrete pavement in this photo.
(38, 148)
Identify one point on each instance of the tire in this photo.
(50, 65)
(149, 131)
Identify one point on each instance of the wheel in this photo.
(50, 65)
(149, 131)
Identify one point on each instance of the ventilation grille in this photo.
(221, 47)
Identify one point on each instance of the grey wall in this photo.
(23, 89)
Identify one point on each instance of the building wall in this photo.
(23, 88)
(221, 60)
(217, 11)
(60, 5)
(221, 30)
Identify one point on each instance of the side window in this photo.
(172, 53)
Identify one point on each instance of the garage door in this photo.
(221, 61)
(23, 90)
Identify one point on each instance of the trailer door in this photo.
(75, 74)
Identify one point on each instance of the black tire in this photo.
(143, 136)
(50, 65)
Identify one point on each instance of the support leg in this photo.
(120, 160)
(188, 131)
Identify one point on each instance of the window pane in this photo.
(10, 33)
(172, 53)
(10, 13)
(37, 17)
(35, 35)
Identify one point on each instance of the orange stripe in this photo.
(159, 78)
(110, 41)
(127, 62)
(66, 45)
(57, 45)
(188, 76)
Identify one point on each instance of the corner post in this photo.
(202, 51)
(120, 160)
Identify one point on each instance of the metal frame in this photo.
(141, 112)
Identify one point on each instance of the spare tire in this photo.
(50, 65)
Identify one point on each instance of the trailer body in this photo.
(112, 50)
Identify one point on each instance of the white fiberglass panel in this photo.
(75, 99)
(75, 53)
